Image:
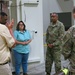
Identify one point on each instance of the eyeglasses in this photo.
(20, 24)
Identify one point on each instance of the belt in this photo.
(3, 63)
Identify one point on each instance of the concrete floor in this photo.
(35, 69)
(39, 69)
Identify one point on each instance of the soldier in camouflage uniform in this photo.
(55, 32)
(69, 46)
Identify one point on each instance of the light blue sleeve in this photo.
(15, 34)
(29, 34)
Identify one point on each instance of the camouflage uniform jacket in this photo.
(55, 33)
(69, 44)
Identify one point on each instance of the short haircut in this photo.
(3, 14)
(54, 13)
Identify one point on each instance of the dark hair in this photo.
(74, 10)
(17, 28)
(54, 13)
(3, 14)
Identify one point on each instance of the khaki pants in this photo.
(5, 70)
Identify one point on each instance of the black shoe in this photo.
(47, 73)
(25, 74)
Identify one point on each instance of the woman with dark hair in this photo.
(21, 50)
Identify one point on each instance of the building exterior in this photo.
(36, 16)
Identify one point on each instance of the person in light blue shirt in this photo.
(22, 48)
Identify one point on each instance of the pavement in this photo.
(39, 69)
(36, 69)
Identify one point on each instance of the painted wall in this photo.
(32, 15)
(46, 21)
(61, 5)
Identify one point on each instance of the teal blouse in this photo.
(22, 36)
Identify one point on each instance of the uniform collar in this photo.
(55, 24)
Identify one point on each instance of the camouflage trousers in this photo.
(72, 73)
(52, 55)
(72, 65)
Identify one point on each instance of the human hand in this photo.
(24, 43)
(10, 26)
(50, 45)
